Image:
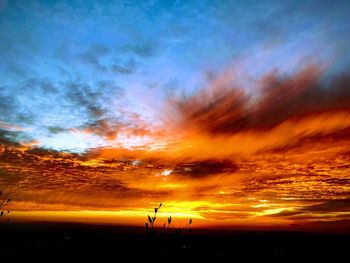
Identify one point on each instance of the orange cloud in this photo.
(222, 157)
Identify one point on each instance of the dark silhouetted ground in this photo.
(67, 241)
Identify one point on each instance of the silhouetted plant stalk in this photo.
(4, 202)
(151, 220)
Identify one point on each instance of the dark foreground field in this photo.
(66, 241)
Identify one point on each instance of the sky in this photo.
(234, 113)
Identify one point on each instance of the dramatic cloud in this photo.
(223, 108)
(231, 113)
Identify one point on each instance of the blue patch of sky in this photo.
(68, 64)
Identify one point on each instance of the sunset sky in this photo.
(233, 113)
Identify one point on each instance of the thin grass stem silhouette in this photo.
(4, 202)
(151, 219)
